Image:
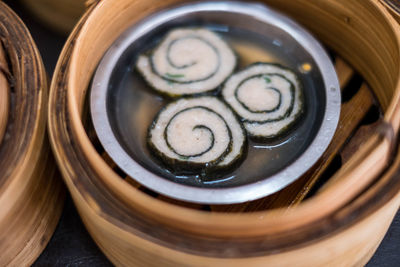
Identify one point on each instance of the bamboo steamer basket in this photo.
(341, 225)
(60, 15)
(31, 195)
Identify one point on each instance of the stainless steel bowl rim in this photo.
(267, 186)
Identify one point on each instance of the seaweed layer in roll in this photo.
(267, 97)
(197, 134)
(188, 61)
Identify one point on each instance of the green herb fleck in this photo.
(174, 76)
(267, 79)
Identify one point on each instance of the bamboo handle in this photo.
(4, 93)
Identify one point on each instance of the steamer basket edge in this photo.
(378, 148)
(31, 196)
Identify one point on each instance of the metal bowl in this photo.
(249, 16)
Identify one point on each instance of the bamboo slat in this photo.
(340, 225)
(343, 71)
(31, 195)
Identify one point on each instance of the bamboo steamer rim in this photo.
(30, 197)
(29, 118)
(257, 223)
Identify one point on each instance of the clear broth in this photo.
(132, 106)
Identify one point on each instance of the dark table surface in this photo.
(71, 244)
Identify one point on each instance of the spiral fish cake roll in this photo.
(267, 97)
(188, 61)
(197, 134)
